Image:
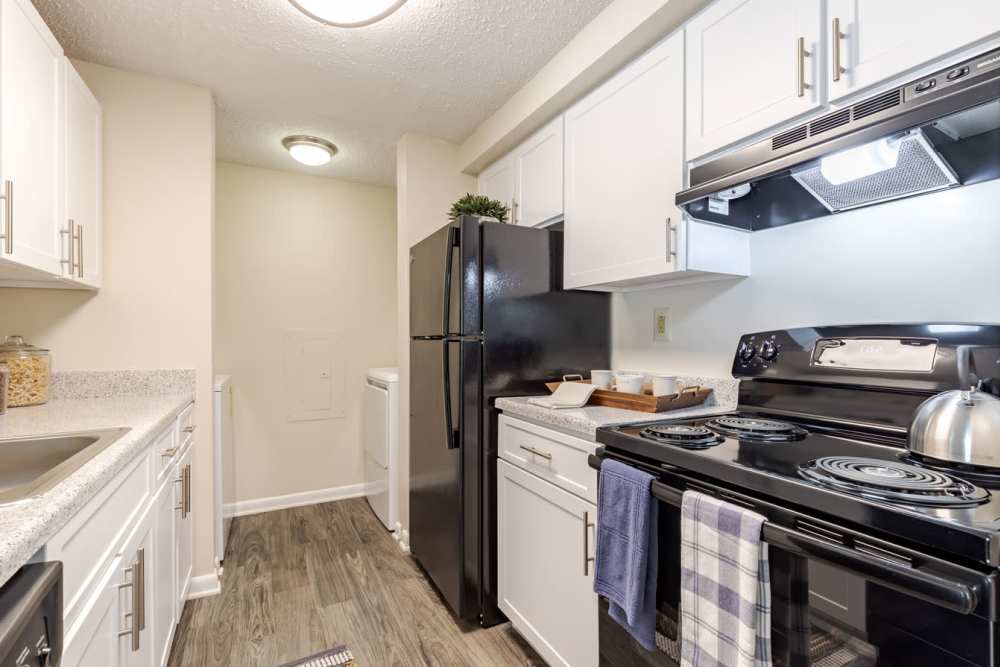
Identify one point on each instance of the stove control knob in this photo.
(746, 352)
(768, 351)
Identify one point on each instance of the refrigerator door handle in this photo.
(448, 259)
(449, 424)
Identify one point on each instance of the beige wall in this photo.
(623, 30)
(306, 253)
(155, 308)
(428, 181)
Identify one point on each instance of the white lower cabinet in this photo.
(128, 561)
(545, 575)
(183, 528)
(164, 584)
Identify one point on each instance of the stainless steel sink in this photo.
(31, 466)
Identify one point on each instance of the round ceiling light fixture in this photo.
(347, 13)
(309, 150)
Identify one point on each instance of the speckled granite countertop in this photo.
(26, 527)
(586, 420)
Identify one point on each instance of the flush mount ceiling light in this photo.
(347, 13)
(310, 151)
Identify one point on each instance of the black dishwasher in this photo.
(31, 617)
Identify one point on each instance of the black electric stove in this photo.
(818, 445)
(817, 407)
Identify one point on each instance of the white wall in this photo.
(428, 181)
(155, 307)
(298, 252)
(929, 258)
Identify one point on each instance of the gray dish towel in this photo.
(626, 549)
(725, 585)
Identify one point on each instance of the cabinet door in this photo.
(83, 179)
(31, 67)
(540, 176)
(624, 163)
(93, 640)
(183, 522)
(161, 579)
(743, 69)
(141, 557)
(545, 537)
(881, 39)
(500, 182)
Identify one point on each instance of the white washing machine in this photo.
(381, 434)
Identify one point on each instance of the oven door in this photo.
(839, 598)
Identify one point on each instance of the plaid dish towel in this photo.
(725, 585)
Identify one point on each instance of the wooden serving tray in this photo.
(644, 402)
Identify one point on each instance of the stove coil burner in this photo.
(754, 428)
(682, 435)
(893, 481)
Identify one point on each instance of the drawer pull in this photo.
(188, 429)
(587, 558)
(537, 452)
(168, 453)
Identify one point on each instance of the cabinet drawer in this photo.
(89, 542)
(164, 451)
(555, 456)
(185, 424)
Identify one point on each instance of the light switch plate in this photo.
(661, 324)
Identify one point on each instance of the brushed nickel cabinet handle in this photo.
(671, 245)
(79, 251)
(800, 56)
(188, 429)
(187, 490)
(70, 234)
(587, 558)
(132, 632)
(537, 452)
(838, 69)
(141, 563)
(168, 453)
(8, 217)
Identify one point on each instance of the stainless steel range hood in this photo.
(937, 132)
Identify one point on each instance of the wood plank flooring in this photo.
(302, 580)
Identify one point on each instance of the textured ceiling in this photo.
(437, 67)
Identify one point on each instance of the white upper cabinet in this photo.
(31, 139)
(82, 238)
(500, 182)
(751, 65)
(624, 162)
(540, 176)
(880, 39)
(529, 179)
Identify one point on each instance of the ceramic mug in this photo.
(666, 385)
(629, 383)
(601, 379)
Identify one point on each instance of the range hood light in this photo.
(860, 161)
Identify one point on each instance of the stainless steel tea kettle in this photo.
(958, 426)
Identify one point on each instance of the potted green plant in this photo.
(480, 205)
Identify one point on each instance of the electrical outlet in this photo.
(661, 324)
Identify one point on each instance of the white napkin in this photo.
(567, 395)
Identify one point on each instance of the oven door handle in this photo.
(938, 582)
(960, 590)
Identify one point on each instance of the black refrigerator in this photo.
(488, 318)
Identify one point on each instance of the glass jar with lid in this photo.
(30, 368)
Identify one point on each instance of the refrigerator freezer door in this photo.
(436, 284)
(436, 467)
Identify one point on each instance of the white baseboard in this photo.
(260, 505)
(203, 586)
(402, 538)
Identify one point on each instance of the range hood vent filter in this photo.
(919, 169)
